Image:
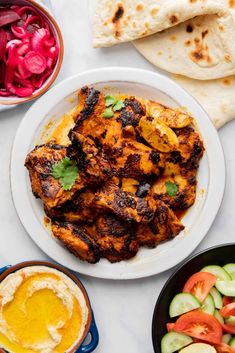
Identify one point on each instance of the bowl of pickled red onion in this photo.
(31, 51)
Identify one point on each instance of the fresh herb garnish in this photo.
(66, 171)
(171, 188)
(110, 100)
(118, 106)
(112, 105)
(108, 113)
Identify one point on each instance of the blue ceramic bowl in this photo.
(90, 328)
(218, 255)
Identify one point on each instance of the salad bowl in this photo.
(213, 257)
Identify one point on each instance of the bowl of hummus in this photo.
(44, 309)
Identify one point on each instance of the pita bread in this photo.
(215, 96)
(119, 21)
(199, 48)
(202, 48)
(177, 49)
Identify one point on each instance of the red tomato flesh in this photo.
(224, 348)
(200, 284)
(229, 328)
(228, 310)
(170, 326)
(200, 325)
(227, 300)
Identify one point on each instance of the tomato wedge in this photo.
(200, 325)
(170, 326)
(227, 300)
(200, 284)
(228, 310)
(229, 328)
(224, 348)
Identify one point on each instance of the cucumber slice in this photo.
(219, 317)
(217, 271)
(182, 303)
(173, 342)
(230, 268)
(226, 338)
(217, 298)
(208, 306)
(226, 287)
(230, 320)
(232, 342)
(198, 348)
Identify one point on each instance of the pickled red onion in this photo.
(2, 72)
(19, 32)
(7, 16)
(35, 62)
(3, 42)
(28, 50)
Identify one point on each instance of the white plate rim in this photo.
(139, 76)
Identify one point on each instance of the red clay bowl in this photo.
(11, 100)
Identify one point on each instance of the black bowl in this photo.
(218, 255)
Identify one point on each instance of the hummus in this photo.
(41, 311)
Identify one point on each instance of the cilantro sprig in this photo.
(112, 105)
(66, 171)
(171, 188)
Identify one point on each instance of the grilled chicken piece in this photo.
(164, 226)
(90, 121)
(129, 185)
(186, 194)
(125, 205)
(90, 159)
(77, 210)
(191, 147)
(131, 159)
(77, 240)
(181, 169)
(39, 163)
(131, 113)
(116, 239)
(112, 136)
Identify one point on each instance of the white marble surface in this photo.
(123, 310)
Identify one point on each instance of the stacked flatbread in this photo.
(191, 38)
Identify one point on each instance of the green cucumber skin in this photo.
(230, 268)
(230, 320)
(217, 271)
(219, 317)
(208, 306)
(217, 297)
(183, 303)
(232, 342)
(173, 341)
(227, 338)
(226, 287)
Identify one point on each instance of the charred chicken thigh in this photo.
(128, 168)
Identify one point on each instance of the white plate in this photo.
(211, 177)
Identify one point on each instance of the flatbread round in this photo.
(194, 38)
(215, 96)
(119, 21)
(198, 38)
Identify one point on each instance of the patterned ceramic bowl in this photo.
(90, 328)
